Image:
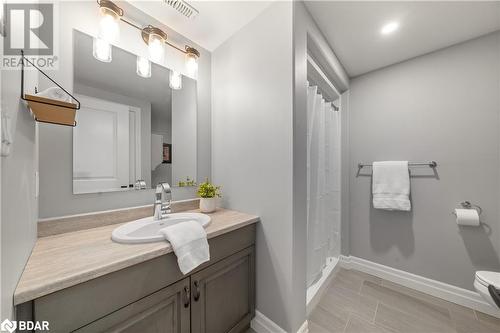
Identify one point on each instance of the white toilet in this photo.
(481, 282)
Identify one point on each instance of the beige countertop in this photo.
(65, 260)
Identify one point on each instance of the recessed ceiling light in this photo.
(389, 28)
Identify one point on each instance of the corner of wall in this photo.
(18, 192)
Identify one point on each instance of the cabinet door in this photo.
(165, 311)
(223, 295)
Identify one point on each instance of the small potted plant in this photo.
(208, 194)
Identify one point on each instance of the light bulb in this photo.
(143, 67)
(175, 80)
(102, 50)
(389, 28)
(191, 64)
(109, 28)
(156, 47)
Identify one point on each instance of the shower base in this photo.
(315, 291)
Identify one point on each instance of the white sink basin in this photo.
(146, 230)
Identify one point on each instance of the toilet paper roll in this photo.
(468, 217)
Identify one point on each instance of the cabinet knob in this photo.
(196, 291)
(186, 297)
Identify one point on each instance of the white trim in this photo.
(431, 287)
(137, 115)
(90, 213)
(108, 211)
(316, 291)
(304, 328)
(317, 77)
(262, 324)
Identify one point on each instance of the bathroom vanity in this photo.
(82, 281)
(135, 129)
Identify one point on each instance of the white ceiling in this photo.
(353, 29)
(216, 22)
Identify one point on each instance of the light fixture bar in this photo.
(175, 47)
(108, 3)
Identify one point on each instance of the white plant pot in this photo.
(208, 205)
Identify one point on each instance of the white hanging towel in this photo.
(189, 241)
(391, 185)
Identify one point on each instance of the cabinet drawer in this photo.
(77, 306)
(165, 311)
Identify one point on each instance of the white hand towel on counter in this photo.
(189, 241)
(391, 185)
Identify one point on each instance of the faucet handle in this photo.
(166, 187)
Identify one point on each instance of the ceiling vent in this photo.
(183, 8)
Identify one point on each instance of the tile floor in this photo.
(356, 302)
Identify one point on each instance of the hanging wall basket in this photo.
(48, 110)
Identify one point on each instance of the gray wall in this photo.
(56, 194)
(19, 204)
(252, 149)
(161, 125)
(183, 137)
(444, 106)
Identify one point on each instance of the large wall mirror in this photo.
(132, 132)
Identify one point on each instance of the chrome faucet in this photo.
(162, 202)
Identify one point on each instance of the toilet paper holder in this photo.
(469, 205)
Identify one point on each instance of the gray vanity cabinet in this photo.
(220, 300)
(154, 296)
(222, 295)
(165, 311)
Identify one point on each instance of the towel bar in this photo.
(431, 164)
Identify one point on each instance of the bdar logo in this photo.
(7, 325)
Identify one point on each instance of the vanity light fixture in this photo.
(192, 56)
(109, 13)
(154, 37)
(102, 50)
(175, 80)
(143, 67)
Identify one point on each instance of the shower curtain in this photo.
(323, 183)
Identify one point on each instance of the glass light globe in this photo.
(143, 67)
(102, 50)
(175, 80)
(109, 27)
(156, 48)
(191, 64)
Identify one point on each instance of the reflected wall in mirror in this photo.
(132, 131)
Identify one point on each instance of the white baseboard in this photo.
(262, 324)
(304, 328)
(434, 288)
